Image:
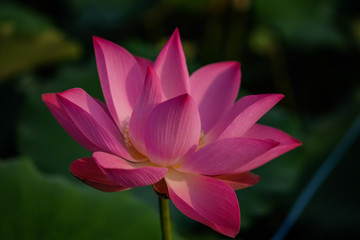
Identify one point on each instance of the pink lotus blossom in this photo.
(185, 135)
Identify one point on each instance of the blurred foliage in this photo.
(39, 207)
(307, 50)
(301, 22)
(187, 4)
(28, 41)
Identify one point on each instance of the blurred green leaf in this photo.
(142, 49)
(28, 40)
(36, 207)
(301, 22)
(21, 21)
(198, 5)
(261, 40)
(105, 15)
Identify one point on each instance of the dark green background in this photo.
(305, 49)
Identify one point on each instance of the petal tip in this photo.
(99, 43)
(68, 93)
(232, 64)
(280, 96)
(297, 143)
(46, 97)
(235, 63)
(175, 37)
(277, 96)
(186, 98)
(97, 39)
(150, 70)
(176, 32)
(273, 97)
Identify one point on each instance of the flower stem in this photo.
(165, 218)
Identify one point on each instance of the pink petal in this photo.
(215, 88)
(143, 64)
(52, 102)
(121, 79)
(151, 95)
(240, 180)
(225, 155)
(92, 106)
(206, 200)
(171, 68)
(173, 128)
(259, 131)
(126, 173)
(244, 113)
(93, 122)
(86, 170)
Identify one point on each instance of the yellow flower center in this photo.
(127, 137)
(201, 140)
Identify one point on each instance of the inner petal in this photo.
(172, 130)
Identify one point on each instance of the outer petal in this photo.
(173, 128)
(151, 95)
(92, 106)
(52, 102)
(86, 170)
(128, 174)
(206, 200)
(259, 131)
(171, 68)
(225, 155)
(240, 180)
(121, 79)
(245, 113)
(215, 88)
(94, 123)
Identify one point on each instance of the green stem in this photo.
(165, 218)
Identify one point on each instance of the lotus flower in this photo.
(184, 135)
